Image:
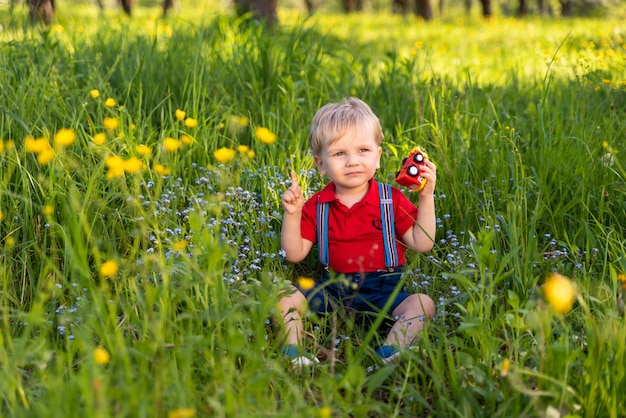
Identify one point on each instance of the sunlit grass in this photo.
(141, 166)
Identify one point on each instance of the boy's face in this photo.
(351, 161)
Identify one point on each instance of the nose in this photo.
(351, 160)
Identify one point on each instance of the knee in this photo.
(424, 304)
(291, 300)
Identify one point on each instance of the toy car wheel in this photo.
(418, 158)
(412, 171)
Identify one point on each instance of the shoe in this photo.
(388, 354)
(298, 358)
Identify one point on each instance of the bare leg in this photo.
(291, 309)
(412, 314)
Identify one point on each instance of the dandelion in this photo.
(48, 210)
(620, 277)
(110, 102)
(326, 412)
(180, 114)
(265, 135)
(2, 146)
(109, 268)
(186, 139)
(250, 154)
(99, 138)
(143, 150)
(505, 367)
(182, 413)
(559, 292)
(161, 170)
(1, 215)
(133, 165)
(9, 241)
(306, 283)
(179, 245)
(36, 145)
(171, 144)
(239, 120)
(243, 149)
(191, 122)
(101, 356)
(115, 164)
(223, 155)
(45, 156)
(110, 123)
(64, 137)
(94, 93)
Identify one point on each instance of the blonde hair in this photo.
(334, 120)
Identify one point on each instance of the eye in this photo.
(338, 154)
(364, 150)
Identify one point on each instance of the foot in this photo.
(299, 357)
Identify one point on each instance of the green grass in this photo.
(519, 116)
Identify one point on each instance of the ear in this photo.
(380, 153)
(320, 165)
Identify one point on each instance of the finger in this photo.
(294, 179)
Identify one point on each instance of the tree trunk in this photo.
(260, 9)
(424, 9)
(486, 4)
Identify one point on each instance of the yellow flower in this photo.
(133, 165)
(182, 413)
(171, 144)
(109, 268)
(101, 356)
(180, 114)
(239, 120)
(110, 123)
(250, 154)
(559, 292)
(36, 145)
(94, 94)
(620, 277)
(48, 210)
(265, 135)
(2, 147)
(110, 102)
(45, 156)
(115, 164)
(143, 150)
(64, 137)
(9, 241)
(306, 283)
(180, 245)
(99, 138)
(223, 155)
(186, 139)
(1, 215)
(161, 170)
(326, 412)
(505, 367)
(191, 122)
(243, 149)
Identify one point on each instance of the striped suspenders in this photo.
(388, 228)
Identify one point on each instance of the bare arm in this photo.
(421, 237)
(296, 248)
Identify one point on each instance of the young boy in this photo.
(345, 220)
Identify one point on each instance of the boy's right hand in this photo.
(292, 199)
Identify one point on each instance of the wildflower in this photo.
(48, 210)
(186, 139)
(99, 138)
(504, 368)
(250, 154)
(110, 123)
(64, 137)
(133, 165)
(182, 413)
(45, 156)
(9, 241)
(110, 102)
(2, 147)
(559, 292)
(109, 268)
(101, 356)
(94, 94)
(620, 277)
(115, 164)
(171, 144)
(243, 149)
(306, 283)
(180, 114)
(179, 245)
(265, 135)
(223, 155)
(239, 120)
(1, 215)
(36, 145)
(143, 150)
(161, 170)
(326, 412)
(191, 122)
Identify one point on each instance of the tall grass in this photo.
(151, 293)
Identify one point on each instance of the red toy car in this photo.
(409, 174)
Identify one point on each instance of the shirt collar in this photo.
(327, 194)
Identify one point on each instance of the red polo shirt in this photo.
(355, 238)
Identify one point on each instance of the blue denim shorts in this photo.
(359, 292)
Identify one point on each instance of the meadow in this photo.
(141, 166)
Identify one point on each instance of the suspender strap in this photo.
(388, 228)
(322, 232)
